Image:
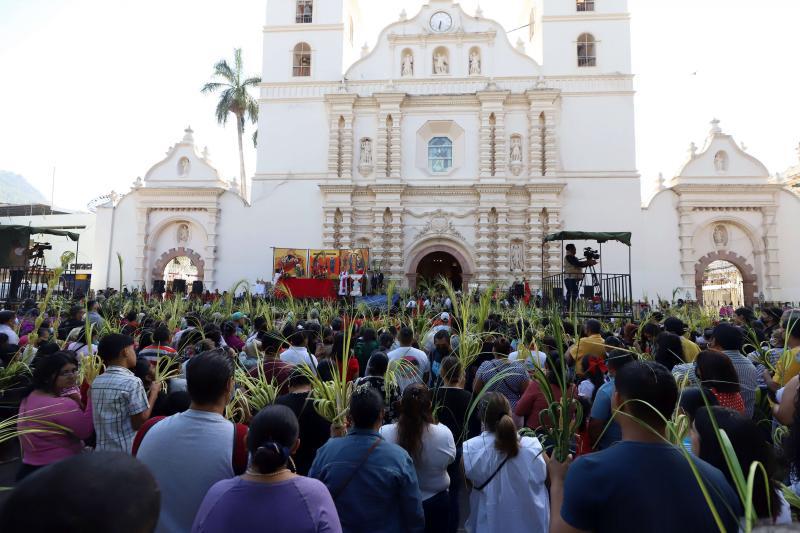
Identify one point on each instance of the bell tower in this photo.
(310, 40)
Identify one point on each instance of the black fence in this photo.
(18, 284)
(599, 295)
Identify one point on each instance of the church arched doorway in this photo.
(724, 278)
(180, 273)
(436, 265)
(723, 284)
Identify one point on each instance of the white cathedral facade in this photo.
(447, 143)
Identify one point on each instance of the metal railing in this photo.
(599, 295)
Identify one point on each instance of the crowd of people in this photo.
(433, 439)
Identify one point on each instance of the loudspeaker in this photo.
(197, 287)
(179, 286)
(588, 292)
(159, 286)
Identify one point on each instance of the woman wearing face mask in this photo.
(52, 417)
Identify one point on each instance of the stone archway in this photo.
(425, 249)
(166, 257)
(749, 278)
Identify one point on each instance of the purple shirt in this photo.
(39, 411)
(298, 505)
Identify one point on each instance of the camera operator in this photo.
(573, 272)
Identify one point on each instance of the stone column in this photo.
(347, 227)
(503, 245)
(396, 250)
(142, 217)
(554, 251)
(210, 255)
(543, 148)
(388, 152)
(551, 149)
(376, 246)
(771, 260)
(533, 245)
(329, 227)
(686, 235)
(492, 102)
(482, 274)
(340, 137)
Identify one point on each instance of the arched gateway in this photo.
(748, 274)
(440, 257)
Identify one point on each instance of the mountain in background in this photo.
(15, 190)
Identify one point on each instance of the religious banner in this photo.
(354, 261)
(324, 264)
(291, 262)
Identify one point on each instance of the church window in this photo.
(440, 154)
(302, 60)
(585, 5)
(587, 53)
(305, 12)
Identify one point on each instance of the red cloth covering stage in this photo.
(321, 289)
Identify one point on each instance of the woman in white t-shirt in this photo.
(507, 475)
(431, 447)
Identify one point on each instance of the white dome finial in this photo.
(479, 12)
(188, 135)
(403, 15)
(715, 127)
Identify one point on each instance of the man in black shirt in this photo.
(314, 430)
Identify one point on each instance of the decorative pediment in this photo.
(442, 42)
(184, 167)
(721, 160)
(439, 224)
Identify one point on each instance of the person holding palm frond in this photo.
(643, 470)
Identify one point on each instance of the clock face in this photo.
(441, 22)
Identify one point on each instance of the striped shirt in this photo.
(154, 351)
(117, 395)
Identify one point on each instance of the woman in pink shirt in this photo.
(52, 419)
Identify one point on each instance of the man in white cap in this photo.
(442, 323)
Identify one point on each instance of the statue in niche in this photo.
(408, 66)
(440, 65)
(184, 167)
(720, 236)
(516, 150)
(366, 151)
(721, 162)
(517, 259)
(183, 234)
(474, 63)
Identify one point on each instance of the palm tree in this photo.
(234, 99)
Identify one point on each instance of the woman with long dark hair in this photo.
(431, 447)
(716, 372)
(750, 447)
(507, 475)
(52, 416)
(669, 350)
(269, 492)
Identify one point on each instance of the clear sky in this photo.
(99, 89)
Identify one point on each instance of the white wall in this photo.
(597, 133)
(788, 249)
(81, 223)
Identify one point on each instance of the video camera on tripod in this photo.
(591, 254)
(38, 249)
